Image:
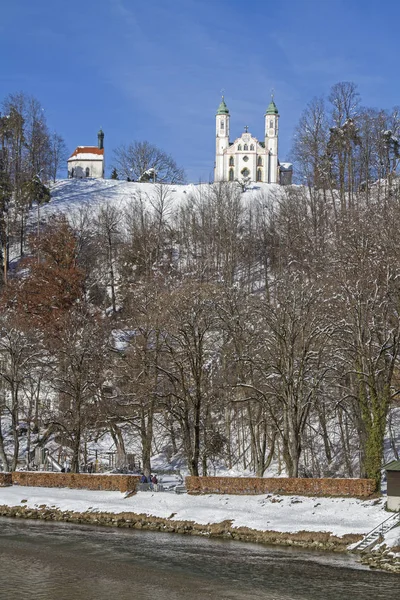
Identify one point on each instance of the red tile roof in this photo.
(87, 150)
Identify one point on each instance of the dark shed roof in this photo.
(393, 466)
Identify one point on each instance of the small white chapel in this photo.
(247, 158)
(88, 161)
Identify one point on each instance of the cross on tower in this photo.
(246, 128)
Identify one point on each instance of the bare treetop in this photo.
(142, 161)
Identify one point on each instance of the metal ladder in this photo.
(373, 536)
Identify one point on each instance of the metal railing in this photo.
(379, 529)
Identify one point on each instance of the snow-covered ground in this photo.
(70, 195)
(338, 516)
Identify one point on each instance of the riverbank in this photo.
(386, 554)
(224, 529)
(323, 523)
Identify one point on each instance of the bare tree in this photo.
(58, 155)
(309, 146)
(142, 161)
(139, 380)
(107, 223)
(366, 281)
(190, 352)
(19, 353)
(287, 362)
(210, 232)
(80, 348)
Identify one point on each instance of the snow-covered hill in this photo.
(71, 195)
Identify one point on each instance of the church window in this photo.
(231, 174)
(259, 161)
(259, 175)
(246, 148)
(222, 125)
(245, 158)
(87, 171)
(251, 147)
(231, 162)
(271, 124)
(240, 147)
(245, 172)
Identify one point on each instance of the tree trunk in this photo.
(76, 452)
(15, 423)
(116, 435)
(3, 455)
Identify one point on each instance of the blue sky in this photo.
(154, 70)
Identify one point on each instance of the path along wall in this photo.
(359, 488)
(86, 481)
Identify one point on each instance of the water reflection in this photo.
(39, 560)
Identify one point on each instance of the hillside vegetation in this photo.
(233, 330)
(220, 329)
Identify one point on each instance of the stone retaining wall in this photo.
(87, 481)
(383, 558)
(357, 488)
(302, 539)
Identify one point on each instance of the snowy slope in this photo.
(339, 516)
(70, 195)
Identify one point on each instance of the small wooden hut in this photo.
(393, 485)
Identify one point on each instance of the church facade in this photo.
(247, 159)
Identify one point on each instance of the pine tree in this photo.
(114, 174)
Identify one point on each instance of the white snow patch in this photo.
(339, 516)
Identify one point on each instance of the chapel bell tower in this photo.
(100, 139)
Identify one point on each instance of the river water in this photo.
(55, 561)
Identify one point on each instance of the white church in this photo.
(88, 161)
(247, 159)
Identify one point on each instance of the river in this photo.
(55, 561)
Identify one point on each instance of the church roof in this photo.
(87, 153)
(222, 108)
(272, 108)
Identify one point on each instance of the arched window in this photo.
(240, 147)
(72, 172)
(259, 175)
(87, 172)
(251, 147)
(259, 161)
(231, 174)
(271, 124)
(231, 162)
(246, 148)
(222, 125)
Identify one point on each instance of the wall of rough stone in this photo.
(359, 488)
(87, 481)
(303, 539)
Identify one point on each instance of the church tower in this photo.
(222, 139)
(271, 140)
(100, 139)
